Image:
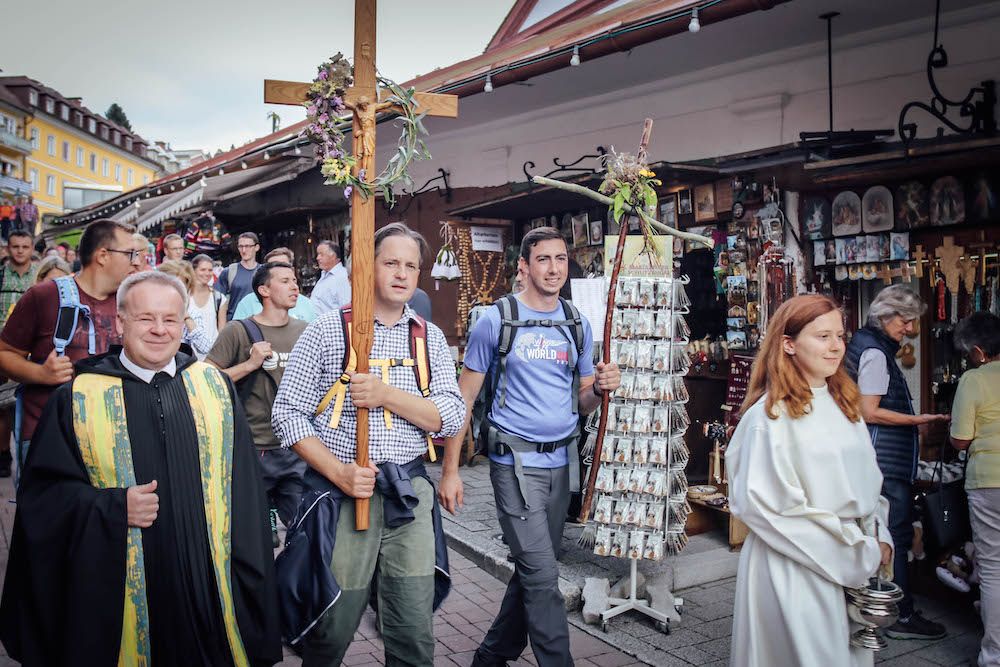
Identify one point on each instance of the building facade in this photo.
(14, 148)
(77, 157)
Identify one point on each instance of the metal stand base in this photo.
(633, 603)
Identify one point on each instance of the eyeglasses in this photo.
(133, 255)
(246, 247)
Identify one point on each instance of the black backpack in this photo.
(246, 383)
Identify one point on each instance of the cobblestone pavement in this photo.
(704, 634)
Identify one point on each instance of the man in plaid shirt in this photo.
(403, 547)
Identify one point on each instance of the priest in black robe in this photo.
(70, 594)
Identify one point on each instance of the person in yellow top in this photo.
(975, 425)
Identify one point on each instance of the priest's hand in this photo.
(356, 481)
(57, 369)
(368, 391)
(142, 504)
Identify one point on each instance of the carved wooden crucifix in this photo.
(362, 100)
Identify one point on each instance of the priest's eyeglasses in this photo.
(132, 254)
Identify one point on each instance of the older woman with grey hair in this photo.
(887, 408)
(975, 425)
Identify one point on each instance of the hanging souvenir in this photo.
(846, 214)
(947, 202)
(912, 209)
(816, 218)
(876, 209)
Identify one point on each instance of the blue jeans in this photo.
(899, 493)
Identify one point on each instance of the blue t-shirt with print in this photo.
(538, 403)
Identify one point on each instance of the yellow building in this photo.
(14, 148)
(77, 157)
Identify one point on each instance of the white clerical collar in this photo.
(145, 374)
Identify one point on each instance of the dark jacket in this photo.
(306, 586)
(896, 447)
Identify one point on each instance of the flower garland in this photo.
(324, 110)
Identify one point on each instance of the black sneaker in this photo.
(5, 461)
(916, 627)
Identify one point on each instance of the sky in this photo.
(191, 72)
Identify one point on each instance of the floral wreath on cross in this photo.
(325, 109)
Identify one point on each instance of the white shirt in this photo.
(332, 290)
(145, 374)
(873, 373)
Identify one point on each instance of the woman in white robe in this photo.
(804, 479)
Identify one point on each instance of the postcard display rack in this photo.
(641, 507)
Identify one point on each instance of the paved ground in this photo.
(703, 636)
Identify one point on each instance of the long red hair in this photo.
(775, 374)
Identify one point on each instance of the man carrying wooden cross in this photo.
(316, 414)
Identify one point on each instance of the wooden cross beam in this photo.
(967, 268)
(919, 255)
(981, 247)
(362, 100)
(902, 271)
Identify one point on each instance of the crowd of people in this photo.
(171, 417)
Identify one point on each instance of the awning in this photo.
(174, 204)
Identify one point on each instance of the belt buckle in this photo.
(547, 448)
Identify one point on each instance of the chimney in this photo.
(76, 101)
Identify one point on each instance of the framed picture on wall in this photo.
(704, 203)
(668, 209)
(580, 230)
(596, 233)
(684, 202)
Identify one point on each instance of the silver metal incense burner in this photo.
(873, 607)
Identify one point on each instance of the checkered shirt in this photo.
(12, 287)
(317, 362)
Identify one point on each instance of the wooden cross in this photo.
(981, 248)
(967, 268)
(919, 255)
(362, 100)
(887, 274)
(949, 253)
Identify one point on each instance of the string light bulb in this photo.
(203, 183)
(243, 164)
(221, 171)
(575, 59)
(695, 24)
(267, 156)
(488, 88)
(298, 150)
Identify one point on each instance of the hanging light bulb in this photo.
(488, 88)
(184, 183)
(267, 155)
(203, 183)
(575, 60)
(221, 171)
(298, 150)
(243, 164)
(695, 24)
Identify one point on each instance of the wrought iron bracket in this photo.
(445, 191)
(980, 112)
(571, 168)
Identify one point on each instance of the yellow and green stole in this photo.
(101, 427)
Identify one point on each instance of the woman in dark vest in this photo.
(887, 408)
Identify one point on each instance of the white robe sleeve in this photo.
(877, 523)
(765, 493)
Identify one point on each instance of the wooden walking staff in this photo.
(362, 100)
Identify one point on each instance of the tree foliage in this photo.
(117, 115)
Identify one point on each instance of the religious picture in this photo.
(884, 248)
(668, 210)
(704, 203)
(876, 209)
(816, 218)
(704, 230)
(536, 223)
(846, 214)
(840, 272)
(982, 204)
(580, 225)
(596, 232)
(736, 339)
(819, 253)
(900, 245)
(684, 202)
(947, 202)
(841, 251)
(911, 206)
(633, 223)
(851, 254)
(873, 251)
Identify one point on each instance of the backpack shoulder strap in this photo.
(508, 315)
(68, 318)
(253, 330)
(256, 336)
(421, 357)
(338, 391)
(572, 315)
(231, 276)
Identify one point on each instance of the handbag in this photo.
(946, 510)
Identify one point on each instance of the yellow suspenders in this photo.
(339, 389)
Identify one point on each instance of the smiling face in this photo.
(203, 272)
(152, 324)
(819, 348)
(547, 267)
(397, 267)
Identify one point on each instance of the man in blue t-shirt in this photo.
(236, 280)
(530, 439)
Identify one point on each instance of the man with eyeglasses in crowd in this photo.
(27, 349)
(236, 280)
